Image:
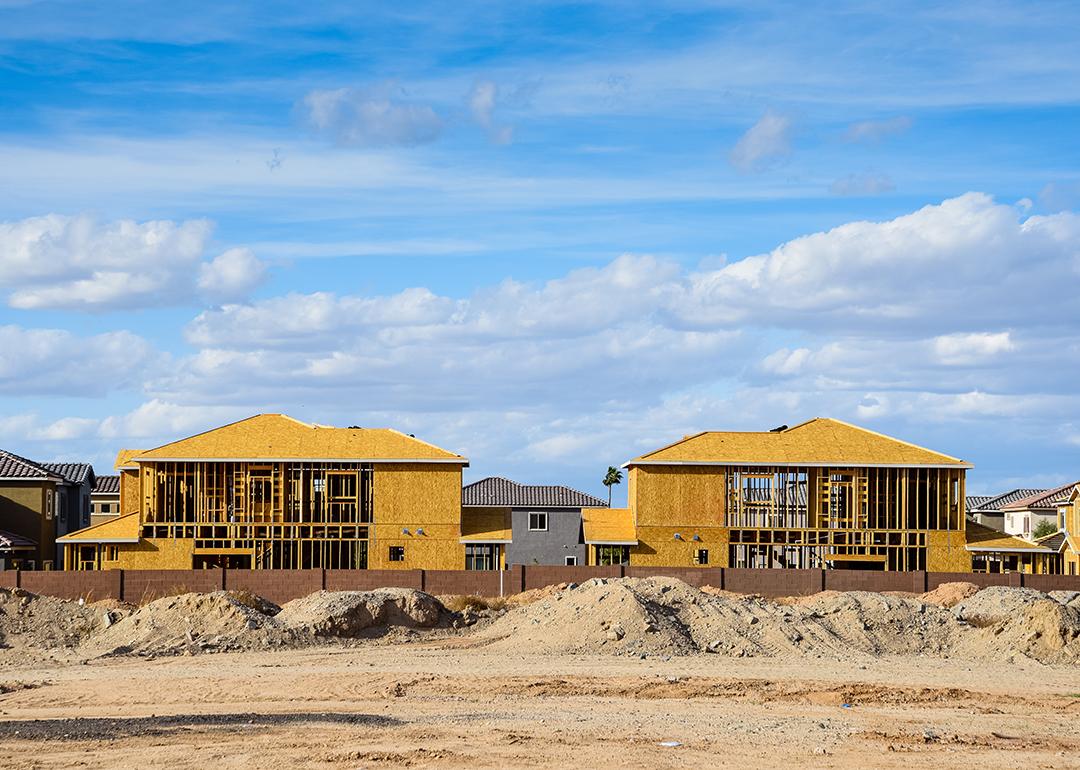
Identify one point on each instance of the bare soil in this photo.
(393, 680)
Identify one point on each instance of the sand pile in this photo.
(222, 620)
(950, 594)
(664, 616)
(347, 614)
(29, 621)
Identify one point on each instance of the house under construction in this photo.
(823, 494)
(273, 492)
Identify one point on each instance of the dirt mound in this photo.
(345, 614)
(29, 622)
(221, 620)
(664, 616)
(950, 594)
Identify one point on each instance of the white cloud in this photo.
(370, 117)
(54, 361)
(974, 348)
(763, 144)
(232, 275)
(867, 183)
(75, 262)
(870, 131)
(483, 99)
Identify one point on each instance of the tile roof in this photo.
(14, 467)
(821, 441)
(279, 437)
(996, 502)
(73, 473)
(609, 526)
(486, 525)
(107, 485)
(9, 541)
(498, 491)
(1053, 542)
(1046, 498)
(972, 502)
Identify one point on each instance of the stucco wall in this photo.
(22, 512)
(563, 538)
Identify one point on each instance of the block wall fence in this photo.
(139, 586)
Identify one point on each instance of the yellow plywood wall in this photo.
(945, 552)
(657, 546)
(130, 499)
(417, 496)
(679, 495)
(154, 553)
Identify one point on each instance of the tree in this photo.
(611, 478)
(1043, 529)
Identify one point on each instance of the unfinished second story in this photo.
(273, 492)
(820, 494)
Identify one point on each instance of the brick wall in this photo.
(982, 579)
(284, 585)
(695, 576)
(858, 580)
(774, 582)
(369, 579)
(279, 585)
(73, 585)
(145, 585)
(540, 577)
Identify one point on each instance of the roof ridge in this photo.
(411, 437)
(879, 435)
(36, 466)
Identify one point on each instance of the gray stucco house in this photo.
(545, 519)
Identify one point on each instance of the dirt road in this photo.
(444, 706)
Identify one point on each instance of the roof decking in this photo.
(980, 538)
(277, 437)
(122, 529)
(818, 442)
(125, 459)
(498, 491)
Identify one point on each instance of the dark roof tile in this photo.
(500, 492)
(107, 485)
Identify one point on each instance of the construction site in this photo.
(619, 672)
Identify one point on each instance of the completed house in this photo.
(987, 509)
(105, 499)
(274, 492)
(1024, 515)
(40, 502)
(536, 524)
(822, 494)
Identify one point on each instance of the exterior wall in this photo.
(22, 512)
(153, 553)
(130, 493)
(679, 496)
(1014, 521)
(411, 496)
(657, 546)
(73, 514)
(946, 552)
(563, 538)
(992, 520)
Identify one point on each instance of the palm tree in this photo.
(611, 478)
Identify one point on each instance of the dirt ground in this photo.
(442, 704)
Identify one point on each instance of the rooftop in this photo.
(14, 467)
(821, 441)
(107, 485)
(994, 503)
(280, 437)
(1044, 498)
(73, 473)
(496, 491)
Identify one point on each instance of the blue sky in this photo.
(549, 235)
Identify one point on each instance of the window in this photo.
(538, 521)
(571, 561)
(702, 556)
(612, 555)
(112, 553)
(482, 556)
(397, 553)
(1027, 525)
